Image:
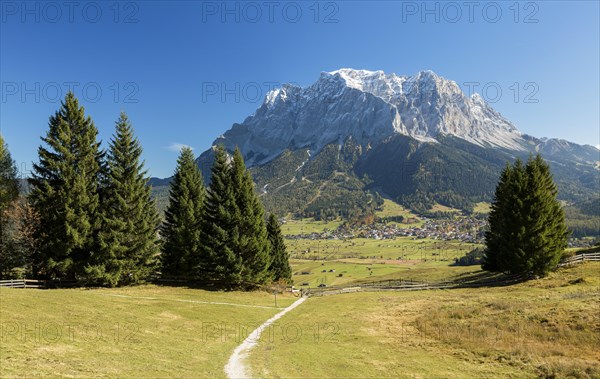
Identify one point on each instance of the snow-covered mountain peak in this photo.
(358, 77)
(369, 107)
(392, 87)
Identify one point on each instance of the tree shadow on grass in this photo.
(486, 279)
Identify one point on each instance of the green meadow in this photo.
(546, 328)
(307, 226)
(347, 272)
(147, 331)
(400, 248)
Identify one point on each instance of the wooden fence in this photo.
(580, 258)
(383, 285)
(23, 283)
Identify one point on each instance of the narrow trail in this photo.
(236, 367)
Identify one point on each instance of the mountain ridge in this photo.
(353, 134)
(370, 106)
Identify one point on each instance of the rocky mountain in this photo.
(354, 136)
(369, 107)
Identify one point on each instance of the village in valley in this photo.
(464, 229)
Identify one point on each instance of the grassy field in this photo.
(399, 248)
(144, 331)
(443, 208)
(391, 208)
(548, 328)
(306, 226)
(371, 270)
(544, 328)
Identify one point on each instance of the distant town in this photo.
(467, 229)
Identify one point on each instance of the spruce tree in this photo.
(251, 243)
(182, 253)
(527, 231)
(546, 233)
(279, 269)
(220, 234)
(128, 244)
(64, 191)
(10, 255)
(9, 185)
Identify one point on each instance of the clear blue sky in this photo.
(176, 68)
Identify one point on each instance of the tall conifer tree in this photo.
(64, 191)
(527, 232)
(182, 252)
(220, 234)
(128, 242)
(251, 244)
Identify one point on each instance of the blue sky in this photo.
(186, 71)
